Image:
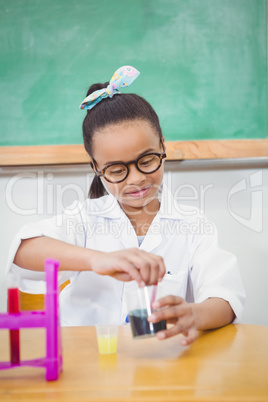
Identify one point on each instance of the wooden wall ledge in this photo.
(176, 150)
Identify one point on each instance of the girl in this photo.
(137, 230)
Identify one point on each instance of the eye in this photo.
(116, 170)
(147, 160)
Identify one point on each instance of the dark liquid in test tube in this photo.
(140, 326)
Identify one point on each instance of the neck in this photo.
(141, 218)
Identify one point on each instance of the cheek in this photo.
(114, 189)
(159, 174)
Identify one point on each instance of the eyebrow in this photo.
(143, 153)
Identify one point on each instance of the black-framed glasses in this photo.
(119, 171)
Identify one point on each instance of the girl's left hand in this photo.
(175, 310)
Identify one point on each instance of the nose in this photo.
(135, 176)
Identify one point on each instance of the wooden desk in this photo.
(229, 364)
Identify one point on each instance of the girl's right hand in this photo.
(129, 264)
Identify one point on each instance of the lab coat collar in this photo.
(170, 208)
(106, 206)
(153, 237)
(109, 208)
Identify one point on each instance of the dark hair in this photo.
(121, 107)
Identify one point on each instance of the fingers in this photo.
(126, 270)
(190, 337)
(154, 269)
(168, 301)
(138, 265)
(142, 263)
(175, 311)
(151, 267)
(123, 276)
(161, 266)
(185, 327)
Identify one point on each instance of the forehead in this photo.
(124, 141)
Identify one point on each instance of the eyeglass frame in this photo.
(101, 173)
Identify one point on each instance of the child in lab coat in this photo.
(130, 231)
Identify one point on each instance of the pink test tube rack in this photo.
(48, 319)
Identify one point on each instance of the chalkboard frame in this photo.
(176, 150)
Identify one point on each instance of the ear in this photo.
(162, 140)
(92, 164)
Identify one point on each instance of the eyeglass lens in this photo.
(146, 164)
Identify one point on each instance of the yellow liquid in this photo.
(107, 344)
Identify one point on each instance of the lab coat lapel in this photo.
(128, 237)
(153, 237)
(124, 230)
(167, 210)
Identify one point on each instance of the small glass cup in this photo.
(107, 338)
(139, 306)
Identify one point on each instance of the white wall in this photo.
(29, 194)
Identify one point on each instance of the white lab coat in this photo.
(196, 267)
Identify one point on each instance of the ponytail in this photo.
(97, 189)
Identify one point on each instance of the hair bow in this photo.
(123, 77)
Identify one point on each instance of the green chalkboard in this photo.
(203, 65)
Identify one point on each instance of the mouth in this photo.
(139, 193)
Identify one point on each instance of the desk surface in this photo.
(228, 364)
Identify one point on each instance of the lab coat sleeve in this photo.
(68, 227)
(215, 273)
